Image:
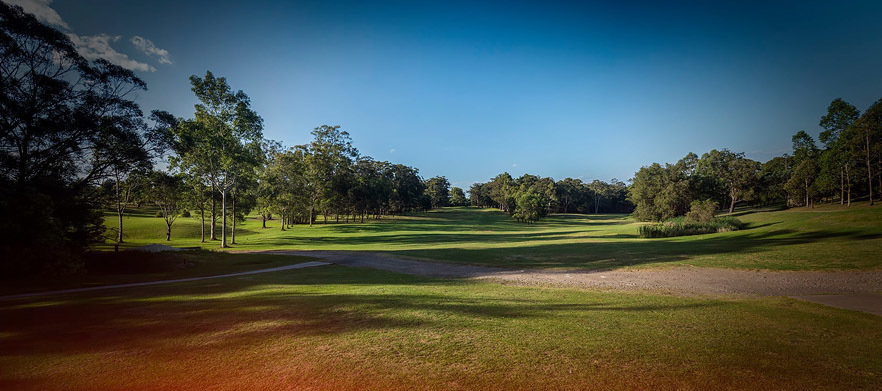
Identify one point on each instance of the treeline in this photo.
(843, 168)
(529, 197)
(74, 143)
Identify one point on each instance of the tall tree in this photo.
(166, 191)
(223, 140)
(61, 119)
(840, 116)
(438, 190)
(866, 133)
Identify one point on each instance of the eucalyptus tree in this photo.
(865, 135)
(840, 116)
(407, 188)
(735, 174)
(569, 192)
(599, 189)
(328, 157)
(438, 191)
(457, 197)
(167, 193)
(805, 170)
(61, 117)
(222, 141)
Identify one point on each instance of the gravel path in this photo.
(857, 290)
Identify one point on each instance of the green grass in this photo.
(823, 238)
(333, 327)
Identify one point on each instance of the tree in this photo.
(865, 136)
(438, 190)
(328, 159)
(166, 191)
(734, 173)
(599, 189)
(222, 142)
(805, 172)
(457, 197)
(840, 117)
(63, 120)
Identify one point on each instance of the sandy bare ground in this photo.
(858, 290)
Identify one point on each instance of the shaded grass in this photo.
(183, 265)
(334, 327)
(823, 238)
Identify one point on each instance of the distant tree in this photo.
(569, 192)
(840, 116)
(457, 197)
(735, 174)
(805, 171)
(599, 189)
(167, 192)
(438, 190)
(866, 136)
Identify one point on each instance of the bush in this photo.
(185, 213)
(158, 214)
(682, 227)
(701, 211)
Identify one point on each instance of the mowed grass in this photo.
(332, 327)
(822, 238)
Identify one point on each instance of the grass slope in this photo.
(338, 328)
(827, 237)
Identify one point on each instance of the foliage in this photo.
(684, 227)
(701, 211)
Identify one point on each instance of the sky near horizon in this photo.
(470, 89)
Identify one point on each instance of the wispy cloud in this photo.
(147, 47)
(392, 150)
(93, 47)
(514, 164)
(42, 10)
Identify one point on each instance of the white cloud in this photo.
(514, 165)
(145, 45)
(392, 150)
(93, 47)
(42, 10)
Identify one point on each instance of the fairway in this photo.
(828, 237)
(335, 327)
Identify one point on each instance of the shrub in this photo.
(701, 211)
(682, 227)
(158, 214)
(185, 213)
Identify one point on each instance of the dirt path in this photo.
(860, 290)
(137, 284)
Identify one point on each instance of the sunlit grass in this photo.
(335, 327)
(827, 237)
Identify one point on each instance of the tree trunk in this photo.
(233, 233)
(167, 232)
(841, 185)
(119, 212)
(848, 183)
(311, 211)
(869, 168)
(596, 204)
(202, 226)
(732, 205)
(224, 216)
(213, 217)
(281, 222)
(264, 220)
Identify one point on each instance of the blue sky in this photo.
(469, 89)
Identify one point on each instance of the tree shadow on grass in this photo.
(615, 254)
(237, 312)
